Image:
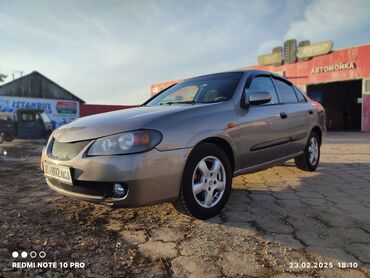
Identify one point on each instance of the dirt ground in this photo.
(281, 222)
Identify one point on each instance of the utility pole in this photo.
(14, 74)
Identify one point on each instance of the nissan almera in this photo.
(185, 144)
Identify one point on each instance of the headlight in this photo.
(126, 143)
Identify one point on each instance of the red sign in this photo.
(66, 107)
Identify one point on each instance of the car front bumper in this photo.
(151, 177)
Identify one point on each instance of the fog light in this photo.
(119, 190)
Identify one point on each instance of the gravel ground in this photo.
(281, 222)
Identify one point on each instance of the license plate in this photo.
(58, 172)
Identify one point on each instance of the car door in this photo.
(7, 126)
(297, 115)
(261, 131)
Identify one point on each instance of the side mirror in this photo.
(259, 97)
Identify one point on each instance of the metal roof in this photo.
(36, 85)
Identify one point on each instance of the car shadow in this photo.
(323, 216)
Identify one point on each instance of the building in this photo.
(339, 80)
(35, 90)
(91, 109)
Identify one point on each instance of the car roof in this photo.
(30, 110)
(249, 71)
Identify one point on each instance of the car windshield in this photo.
(207, 89)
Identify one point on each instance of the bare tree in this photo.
(2, 77)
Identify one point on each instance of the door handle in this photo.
(283, 115)
(310, 112)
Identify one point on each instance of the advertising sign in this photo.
(335, 67)
(316, 49)
(270, 59)
(60, 112)
(290, 54)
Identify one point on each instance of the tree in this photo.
(2, 77)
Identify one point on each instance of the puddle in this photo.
(18, 150)
(11, 153)
(3, 152)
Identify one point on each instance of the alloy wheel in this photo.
(209, 181)
(313, 150)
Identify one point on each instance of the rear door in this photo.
(296, 113)
(29, 125)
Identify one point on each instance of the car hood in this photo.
(105, 124)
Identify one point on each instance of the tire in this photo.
(310, 158)
(2, 137)
(205, 188)
(9, 139)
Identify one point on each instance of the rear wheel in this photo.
(310, 158)
(206, 182)
(2, 137)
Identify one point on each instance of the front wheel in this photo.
(310, 158)
(2, 137)
(206, 182)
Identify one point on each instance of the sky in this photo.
(110, 52)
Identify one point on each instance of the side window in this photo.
(27, 117)
(300, 95)
(285, 92)
(4, 119)
(264, 83)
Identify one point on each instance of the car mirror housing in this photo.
(259, 97)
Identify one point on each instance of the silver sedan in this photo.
(186, 144)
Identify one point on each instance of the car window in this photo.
(285, 92)
(263, 83)
(38, 118)
(4, 119)
(44, 117)
(300, 95)
(27, 117)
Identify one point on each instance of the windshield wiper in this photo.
(176, 102)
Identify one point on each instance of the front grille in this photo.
(67, 151)
(86, 187)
